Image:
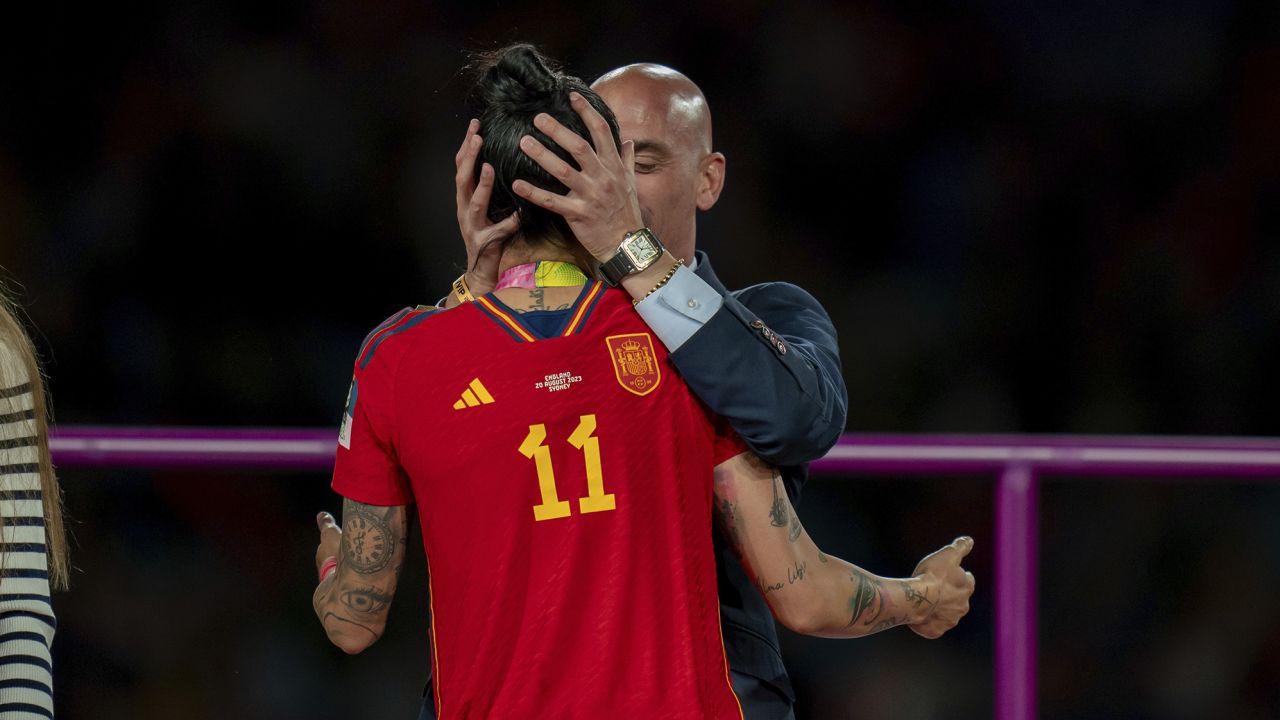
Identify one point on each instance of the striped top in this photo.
(26, 614)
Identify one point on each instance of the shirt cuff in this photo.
(680, 308)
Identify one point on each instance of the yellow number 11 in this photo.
(583, 438)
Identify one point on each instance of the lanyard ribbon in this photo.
(544, 273)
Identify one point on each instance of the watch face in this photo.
(642, 250)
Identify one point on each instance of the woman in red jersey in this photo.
(562, 474)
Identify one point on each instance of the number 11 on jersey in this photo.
(583, 437)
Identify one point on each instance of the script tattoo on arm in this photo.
(796, 574)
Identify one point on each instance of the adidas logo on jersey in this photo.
(474, 395)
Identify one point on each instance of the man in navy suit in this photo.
(764, 357)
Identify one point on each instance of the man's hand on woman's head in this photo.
(602, 206)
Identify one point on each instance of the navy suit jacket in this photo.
(768, 362)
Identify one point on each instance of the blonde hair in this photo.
(14, 336)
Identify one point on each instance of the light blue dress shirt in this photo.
(680, 308)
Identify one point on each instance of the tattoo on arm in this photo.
(793, 533)
(766, 588)
(796, 574)
(365, 600)
(325, 622)
(868, 594)
(888, 623)
(777, 511)
(729, 518)
(915, 597)
(368, 540)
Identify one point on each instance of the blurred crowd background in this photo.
(1022, 217)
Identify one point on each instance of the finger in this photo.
(549, 161)
(506, 227)
(629, 159)
(601, 134)
(558, 204)
(324, 521)
(465, 178)
(472, 128)
(581, 150)
(963, 545)
(479, 205)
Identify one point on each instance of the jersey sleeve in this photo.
(367, 469)
(726, 442)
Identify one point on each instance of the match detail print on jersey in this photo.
(583, 438)
(634, 362)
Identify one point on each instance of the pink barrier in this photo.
(1017, 461)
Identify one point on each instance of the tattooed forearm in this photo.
(867, 595)
(793, 533)
(766, 588)
(778, 510)
(728, 515)
(365, 599)
(368, 540)
(887, 623)
(915, 597)
(796, 574)
(347, 623)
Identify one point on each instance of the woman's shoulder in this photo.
(13, 366)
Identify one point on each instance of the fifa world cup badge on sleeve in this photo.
(634, 362)
(344, 434)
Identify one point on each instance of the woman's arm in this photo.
(816, 594)
(352, 602)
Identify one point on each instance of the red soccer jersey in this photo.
(564, 490)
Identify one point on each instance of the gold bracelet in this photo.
(670, 273)
(461, 291)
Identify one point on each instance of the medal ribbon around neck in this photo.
(544, 273)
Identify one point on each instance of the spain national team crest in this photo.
(634, 362)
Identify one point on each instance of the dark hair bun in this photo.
(513, 85)
(518, 75)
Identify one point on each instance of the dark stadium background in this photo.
(1023, 217)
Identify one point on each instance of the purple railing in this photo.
(1018, 461)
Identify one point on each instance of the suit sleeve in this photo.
(768, 361)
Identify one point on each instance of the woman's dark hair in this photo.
(515, 84)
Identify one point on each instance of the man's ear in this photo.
(710, 180)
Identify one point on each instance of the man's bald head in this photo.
(659, 89)
(677, 173)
